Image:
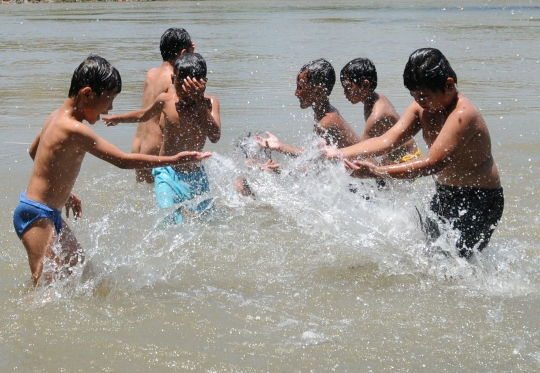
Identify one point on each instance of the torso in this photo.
(380, 117)
(183, 130)
(57, 162)
(473, 164)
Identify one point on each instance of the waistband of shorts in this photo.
(31, 202)
(443, 188)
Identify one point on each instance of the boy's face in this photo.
(99, 105)
(305, 92)
(429, 100)
(352, 92)
(179, 87)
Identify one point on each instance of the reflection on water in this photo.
(306, 275)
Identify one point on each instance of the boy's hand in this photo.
(109, 121)
(75, 204)
(187, 157)
(271, 142)
(359, 169)
(270, 165)
(331, 152)
(194, 88)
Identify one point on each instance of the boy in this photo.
(359, 81)
(314, 84)
(58, 152)
(188, 121)
(468, 194)
(149, 135)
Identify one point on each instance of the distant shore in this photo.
(7, 2)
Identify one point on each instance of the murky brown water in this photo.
(307, 277)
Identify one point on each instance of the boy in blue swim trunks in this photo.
(469, 197)
(189, 121)
(58, 152)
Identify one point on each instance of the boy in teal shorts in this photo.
(187, 112)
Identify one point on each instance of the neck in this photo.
(74, 108)
(370, 100)
(168, 64)
(320, 108)
(452, 103)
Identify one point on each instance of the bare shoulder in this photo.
(332, 120)
(465, 113)
(213, 99)
(151, 75)
(385, 110)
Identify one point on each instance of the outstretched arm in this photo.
(106, 151)
(456, 133)
(399, 134)
(140, 115)
(273, 143)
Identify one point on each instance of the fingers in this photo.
(195, 156)
(350, 166)
(205, 155)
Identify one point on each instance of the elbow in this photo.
(214, 137)
(433, 168)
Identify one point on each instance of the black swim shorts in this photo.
(474, 212)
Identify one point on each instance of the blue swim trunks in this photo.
(28, 211)
(173, 187)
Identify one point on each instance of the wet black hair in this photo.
(358, 70)
(427, 68)
(320, 72)
(190, 64)
(173, 41)
(97, 73)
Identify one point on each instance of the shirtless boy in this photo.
(149, 135)
(58, 152)
(188, 121)
(468, 194)
(359, 81)
(314, 84)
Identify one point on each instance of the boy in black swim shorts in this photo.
(469, 194)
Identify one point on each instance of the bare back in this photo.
(149, 135)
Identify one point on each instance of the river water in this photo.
(306, 277)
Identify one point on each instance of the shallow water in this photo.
(306, 276)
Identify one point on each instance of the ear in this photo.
(366, 84)
(450, 84)
(86, 94)
(320, 89)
